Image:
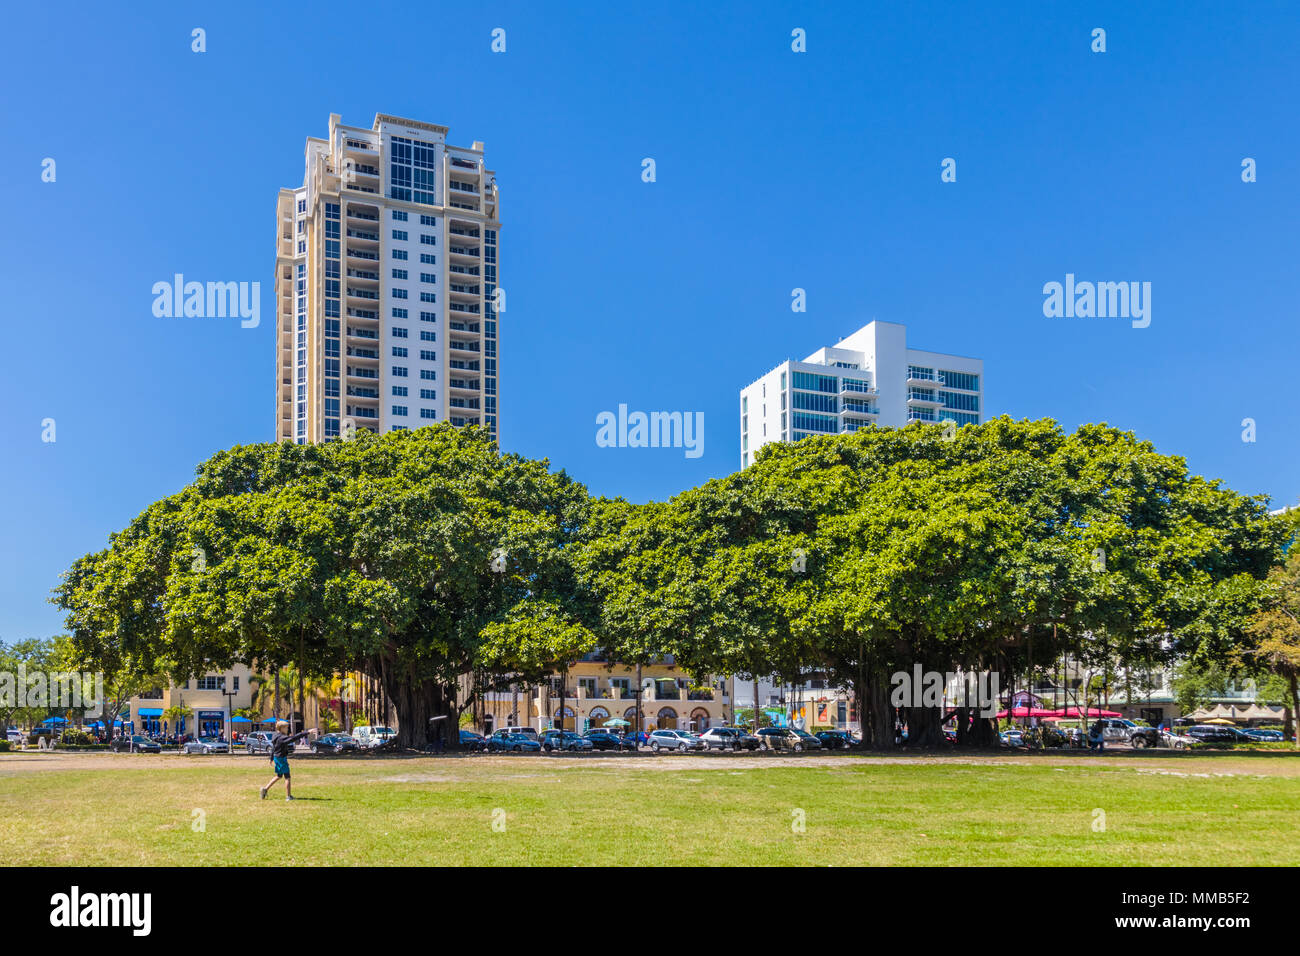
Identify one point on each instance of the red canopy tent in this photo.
(1021, 712)
(1090, 712)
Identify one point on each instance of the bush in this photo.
(4, 746)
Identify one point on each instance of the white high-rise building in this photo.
(386, 284)
(869, 378)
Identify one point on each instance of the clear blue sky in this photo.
(776, 170)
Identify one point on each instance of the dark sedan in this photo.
(136, 744)
(1211, 734)
(605, 740)
(835, 739)
(472, 741)
(333, 744)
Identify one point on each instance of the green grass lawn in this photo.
(1163, 809)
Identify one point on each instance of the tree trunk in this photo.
(415, 702)
(879, 712)
(1294, 710)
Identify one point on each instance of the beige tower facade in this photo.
(387, 292)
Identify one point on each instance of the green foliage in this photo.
(369, 555)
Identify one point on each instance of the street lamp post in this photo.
(230, 716)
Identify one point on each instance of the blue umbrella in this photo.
(55, 720)
(240, 720)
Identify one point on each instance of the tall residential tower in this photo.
(869, 378)
(386, 284)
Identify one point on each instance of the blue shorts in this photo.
(281, 765)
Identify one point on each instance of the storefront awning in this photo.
(149, 712)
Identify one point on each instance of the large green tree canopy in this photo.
(390, 555)
(980, 548)
(418, 557)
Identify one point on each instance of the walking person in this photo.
(281, 747)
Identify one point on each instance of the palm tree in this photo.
(175, 714)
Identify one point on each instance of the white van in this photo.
(368, 737)
(526, 731)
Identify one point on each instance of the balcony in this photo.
(358, 372)
(925, 398)
(355, 293)
(360, 274)
(463, 251)
(363, 236)
(462, 346)
(361, 411)
(362, 215)
(360, 391)
(849, 387)
(356, 333)
(859, 410)
(921, 377)
(362, 254)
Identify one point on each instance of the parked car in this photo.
(505, 742)
(333, 744)
(258, 742)
(1177, 741)
(472, 741)
(1212, 734)
(679, 740)
(526, 731)
(728, 738)
(1013, 738)
(1263, 736)
(137, 743)
(836, 739)
(368, 737)
(1135, 735)
(206, 745)
(785, 738)
(14, 735)
(564, 740)
(604, 739)
(809, 741)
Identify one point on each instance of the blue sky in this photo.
(775, 170)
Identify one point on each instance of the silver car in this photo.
(678, 740)
(206, 745)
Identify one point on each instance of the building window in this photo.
(399, 253)
(398, 371)
(399, 410)
(399, 391)
(399, 216)
(428, 413)
(399, 351)
(399, 274)
(399, 234)
(398, 293)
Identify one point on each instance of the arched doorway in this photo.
(667, 719)
(597, 716)
(699, 720)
